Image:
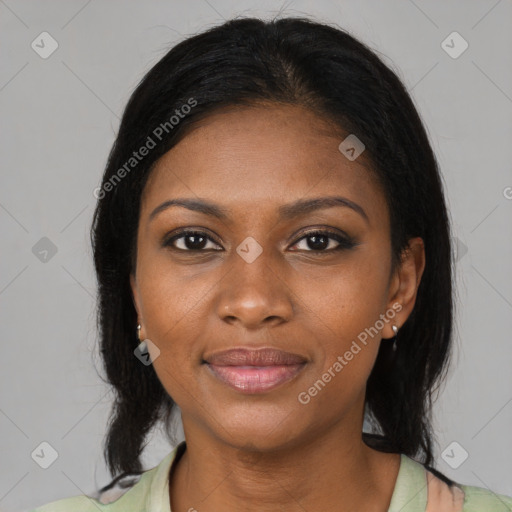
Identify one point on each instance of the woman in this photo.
(272, 247)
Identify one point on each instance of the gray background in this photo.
(59, 119)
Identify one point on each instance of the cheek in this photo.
(172, 298)
(171, 315)
(347, 309)
(348, 297)
(176, 304)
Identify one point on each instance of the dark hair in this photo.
(301, 62)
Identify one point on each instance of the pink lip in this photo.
(255, 371)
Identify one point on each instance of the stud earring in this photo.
(395, 330)
(142, 343)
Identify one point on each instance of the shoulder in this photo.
(131, 492)
(478, 499)
(423, 488)
(113, 499)
(464, 498)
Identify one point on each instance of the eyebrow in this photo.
(286, 212)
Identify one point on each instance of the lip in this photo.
(254, 371)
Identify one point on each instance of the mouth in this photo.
(254, 371)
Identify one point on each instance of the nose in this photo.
(254, 294)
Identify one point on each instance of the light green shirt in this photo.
(151, 493)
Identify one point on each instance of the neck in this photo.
(335, 471)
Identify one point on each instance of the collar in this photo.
(409, 494)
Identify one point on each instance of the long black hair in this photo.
(321, 67)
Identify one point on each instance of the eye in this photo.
(191, 241)
(321, 241)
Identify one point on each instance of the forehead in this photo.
(262, 156)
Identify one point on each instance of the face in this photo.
(265, 269)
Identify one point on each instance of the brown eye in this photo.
(190, 241)
(321, 241)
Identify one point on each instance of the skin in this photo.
(270, 452)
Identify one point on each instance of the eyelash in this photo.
(344, 242)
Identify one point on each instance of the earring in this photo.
(142, 343)
(395, 330)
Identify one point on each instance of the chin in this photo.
(257, 428)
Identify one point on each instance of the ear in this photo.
(404, 284)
